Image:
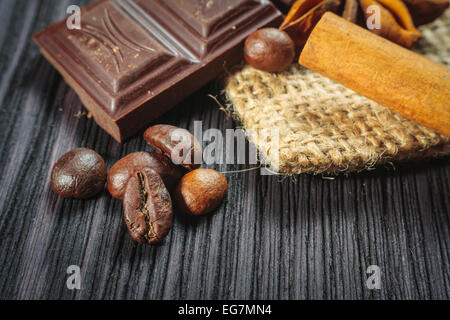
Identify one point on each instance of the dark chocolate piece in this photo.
(133, 60)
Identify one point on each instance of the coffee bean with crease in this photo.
(147, 206)
(123, 169)
(176, 143)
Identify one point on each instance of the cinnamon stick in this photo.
(381, 70)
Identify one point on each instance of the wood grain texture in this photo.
(308, 238)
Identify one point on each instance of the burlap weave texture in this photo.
(326, 128)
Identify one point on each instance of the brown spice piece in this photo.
(397, 23)
(287, 2)
(147, 207)
(269, 49)
(350, 12)
(79, 174)
(201, 191)
(426, 11)
(304, 15)
(177, 144)
(123, 169)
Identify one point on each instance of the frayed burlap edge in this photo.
(323, 127)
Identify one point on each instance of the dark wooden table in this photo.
(308, 238)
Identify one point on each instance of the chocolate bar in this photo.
(133, 60)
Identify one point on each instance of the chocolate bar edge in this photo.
(129, 123)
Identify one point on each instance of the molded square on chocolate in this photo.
(200, 28)
(133, 60)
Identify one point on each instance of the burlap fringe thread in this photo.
(324, 127)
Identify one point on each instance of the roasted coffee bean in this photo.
(201, 191)
(177, 144)
(147, 206)
(269, 49)
(80, 174)
(123, 169)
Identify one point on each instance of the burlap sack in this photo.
(326, 128)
